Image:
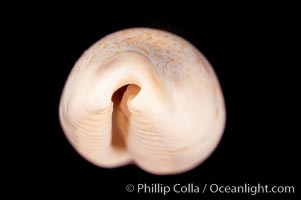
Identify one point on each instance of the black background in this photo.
(252, 49)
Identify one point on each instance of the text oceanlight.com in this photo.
(192, 188)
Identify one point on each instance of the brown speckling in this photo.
(216, 113)
(173, 57)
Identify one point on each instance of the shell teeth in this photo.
(143, 96)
